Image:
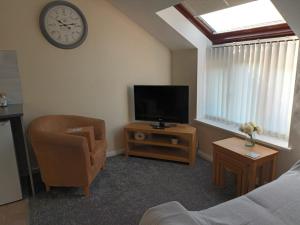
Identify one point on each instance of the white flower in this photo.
(259, 130)
(248, 129)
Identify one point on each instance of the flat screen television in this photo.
(161, 103)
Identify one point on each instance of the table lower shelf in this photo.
(157, 152)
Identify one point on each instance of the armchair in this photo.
(66, 159)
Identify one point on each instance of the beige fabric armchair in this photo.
(66, 159)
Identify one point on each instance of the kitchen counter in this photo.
(14, 110)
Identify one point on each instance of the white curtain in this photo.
(252, 82)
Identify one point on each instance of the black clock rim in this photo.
(47, 36)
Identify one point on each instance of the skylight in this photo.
(250, 15)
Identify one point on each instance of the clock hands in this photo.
(62, 24)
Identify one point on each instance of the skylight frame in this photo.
(211, 19)
(274, 31)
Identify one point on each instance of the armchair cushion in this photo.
(99, 153)
(89, 134)
(98, 157)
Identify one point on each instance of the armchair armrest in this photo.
(63, 158)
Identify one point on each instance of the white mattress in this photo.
(276, 203)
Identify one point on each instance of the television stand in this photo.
(160, 125)
(160, 144)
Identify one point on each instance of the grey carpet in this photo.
(125, 189)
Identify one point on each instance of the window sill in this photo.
(261, 139)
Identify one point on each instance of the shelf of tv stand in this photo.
(157, 143)
(160, 153)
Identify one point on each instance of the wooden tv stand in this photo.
(157, 142)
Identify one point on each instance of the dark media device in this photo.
(162, 104)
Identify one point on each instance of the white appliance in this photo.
(10, 188)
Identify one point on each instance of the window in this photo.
(250, 15)
(252, 82)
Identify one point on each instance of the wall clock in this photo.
(63, 24)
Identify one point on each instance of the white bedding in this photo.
(276, 203)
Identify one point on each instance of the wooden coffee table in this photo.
(230, 154)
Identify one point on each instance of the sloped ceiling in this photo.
(290, 9)
(143, 12)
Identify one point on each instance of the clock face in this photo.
(63, 24)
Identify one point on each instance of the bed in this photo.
(276, 203)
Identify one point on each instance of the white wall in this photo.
(91, 80)
(184, 72)
(289, 9)
(184, 27)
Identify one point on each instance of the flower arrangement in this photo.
(250, 129)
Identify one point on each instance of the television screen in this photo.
(161, 103)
